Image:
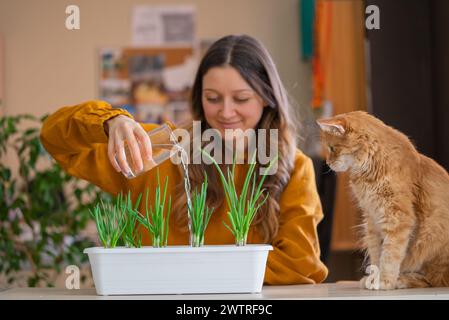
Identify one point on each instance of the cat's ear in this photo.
(333, 126)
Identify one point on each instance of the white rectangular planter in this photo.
(179, 269)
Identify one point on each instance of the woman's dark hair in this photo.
(253, 62)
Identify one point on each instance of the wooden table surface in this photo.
(340, 290)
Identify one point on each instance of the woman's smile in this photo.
(230, 124)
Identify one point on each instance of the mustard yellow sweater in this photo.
(75, 137)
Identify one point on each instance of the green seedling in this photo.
(243, 207)
(130, 237)
(200, 215)
(154, 219)
(110, 222)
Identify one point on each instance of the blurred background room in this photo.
(390, 58)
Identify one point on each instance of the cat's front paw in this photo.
(368, 282)
(371, 283)
(387, 283)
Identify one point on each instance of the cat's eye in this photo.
(331, 148)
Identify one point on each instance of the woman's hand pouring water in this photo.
(120, 129)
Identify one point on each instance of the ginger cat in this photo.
(403, 196)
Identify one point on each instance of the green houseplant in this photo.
(178, 269)
(154, 219)
(200, 214)
(43, 210)
(242, 208)
(131, 237)
(116, 222)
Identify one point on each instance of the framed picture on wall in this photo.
(153, 84)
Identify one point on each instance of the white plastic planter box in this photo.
(179, 269)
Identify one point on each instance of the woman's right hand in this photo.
(120, 129)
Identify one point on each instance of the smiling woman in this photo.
(237, 86)
(229, 102)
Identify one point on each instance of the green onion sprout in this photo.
(154, 219)
(200, 214)
(242, 208)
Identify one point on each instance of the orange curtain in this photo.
(320, 60)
